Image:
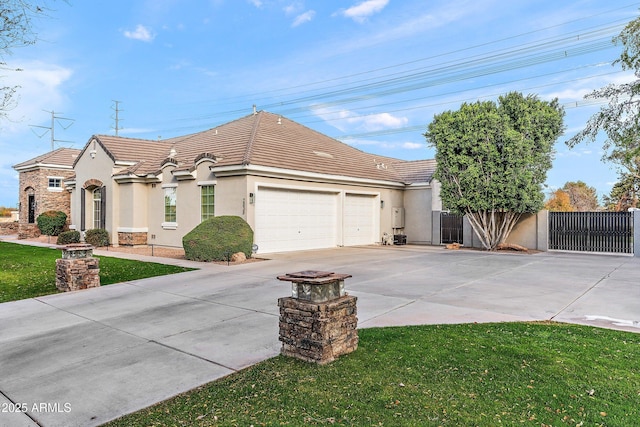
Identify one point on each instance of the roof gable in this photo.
(61, 158)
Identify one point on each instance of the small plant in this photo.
(68, 237)
(216, 239)
(51, 223)
(97, 237)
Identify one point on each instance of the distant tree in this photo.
(16, 30)
(582, 197)
(620, 117)
(492, 159)
(624, 194)
(559, 202)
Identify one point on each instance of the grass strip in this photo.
(30, 271)
(529, 374)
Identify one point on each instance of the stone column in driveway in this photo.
(318, 323)
(77, 269)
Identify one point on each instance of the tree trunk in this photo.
(492, 227)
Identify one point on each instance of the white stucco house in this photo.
(297, 188)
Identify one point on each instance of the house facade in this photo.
(42, 188)
(297, 188)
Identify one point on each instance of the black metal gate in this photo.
(450, 228)
(591, 231)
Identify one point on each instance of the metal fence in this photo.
(450, 228)
(591, 231)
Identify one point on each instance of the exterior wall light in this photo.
(381, 204)
(252, 198)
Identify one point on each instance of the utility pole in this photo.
(117, 116)
(51, 129)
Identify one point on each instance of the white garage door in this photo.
(288, 220)
(360, 219)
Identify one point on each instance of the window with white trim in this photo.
(207, 202)
(55, 183)
(170, 199)
(97, 207)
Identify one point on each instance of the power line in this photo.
(51, 129)
(117, 118)
(374, 88)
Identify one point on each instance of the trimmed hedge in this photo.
(68, 237)
(97, 237)
(216, 239)
(52, 223)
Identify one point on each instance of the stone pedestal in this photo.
(318, 323)
(77, 269)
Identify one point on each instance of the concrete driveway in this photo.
(84, 358)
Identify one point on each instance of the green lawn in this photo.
(30, 271)
(511, 374)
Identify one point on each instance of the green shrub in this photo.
(97, 237)
(51, 223)
(216, 239)
(68, 237)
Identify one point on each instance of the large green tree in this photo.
(619, 119)
(492, 160)
(624, 194)
(583, 197)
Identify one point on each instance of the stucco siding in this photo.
(418, 215)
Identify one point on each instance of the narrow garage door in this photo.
(289, 220)
(360, 219)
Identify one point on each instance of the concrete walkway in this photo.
(84, 358)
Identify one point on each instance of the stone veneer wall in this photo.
(46, 200)
(8, 228)
(79, 273)
(318, 332)
(132, 238)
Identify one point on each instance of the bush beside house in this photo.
(52, 223)
(97, 237)
(68, 237)
(216, 239)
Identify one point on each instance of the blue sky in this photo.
(369, 72)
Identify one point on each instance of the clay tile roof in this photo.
(134, 149)
(416, 171)
(62, 158)
(264, 139)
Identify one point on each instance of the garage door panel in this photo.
(288, 220)
(360, 220)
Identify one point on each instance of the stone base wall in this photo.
(79, 273)
(28, 231)
(132, 239)
(8, 228)
(318, 332)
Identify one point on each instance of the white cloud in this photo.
(40, 88)
(141, 33)
(413, 146)
(363, 10)
(377, 122)
(349, 121)
(256, 3)
(304, 17)
(293, 8)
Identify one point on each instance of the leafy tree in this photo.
(16, 30)
(492, 159)
(624, 194)
(559, 202)
(620, 118)
(582, 197)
